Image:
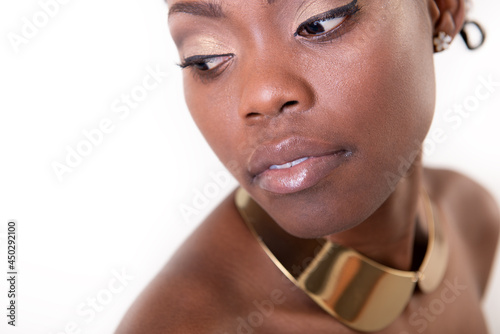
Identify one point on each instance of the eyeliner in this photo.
(200, 59)
(346, 10)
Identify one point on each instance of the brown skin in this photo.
(369, 87)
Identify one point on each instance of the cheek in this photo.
(213, 109)
(207, 105)
(382, 90)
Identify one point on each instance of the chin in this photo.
(306, 229)
(322, 211)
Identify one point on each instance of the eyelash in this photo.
(200, 60)
(193, 61)
(347, 11)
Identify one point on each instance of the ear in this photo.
(450, 16)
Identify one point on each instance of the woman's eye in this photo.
(327, 22)
(205, 63)
(321, 26)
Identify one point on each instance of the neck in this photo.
(345, 284)
(388, 235)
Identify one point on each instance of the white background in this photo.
(119, 210)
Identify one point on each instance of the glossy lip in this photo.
(323, 158)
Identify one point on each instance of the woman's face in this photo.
(349, 85)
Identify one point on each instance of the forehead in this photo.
(212, 8)
(219, 8)
(217, 2)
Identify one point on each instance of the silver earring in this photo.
(442, 41)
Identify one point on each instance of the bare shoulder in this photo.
(204, 285)
(474, 214)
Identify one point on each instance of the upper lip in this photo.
(288, 150)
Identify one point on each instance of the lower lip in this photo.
(302, 176)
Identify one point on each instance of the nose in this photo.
(271, 88)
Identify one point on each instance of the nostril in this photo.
(252, 114)
(290, 103)
(283, 107)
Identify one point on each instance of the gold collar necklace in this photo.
(359, 292)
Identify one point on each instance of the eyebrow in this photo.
(207, 9)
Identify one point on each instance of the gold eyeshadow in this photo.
(317, 7)
(203, 45)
